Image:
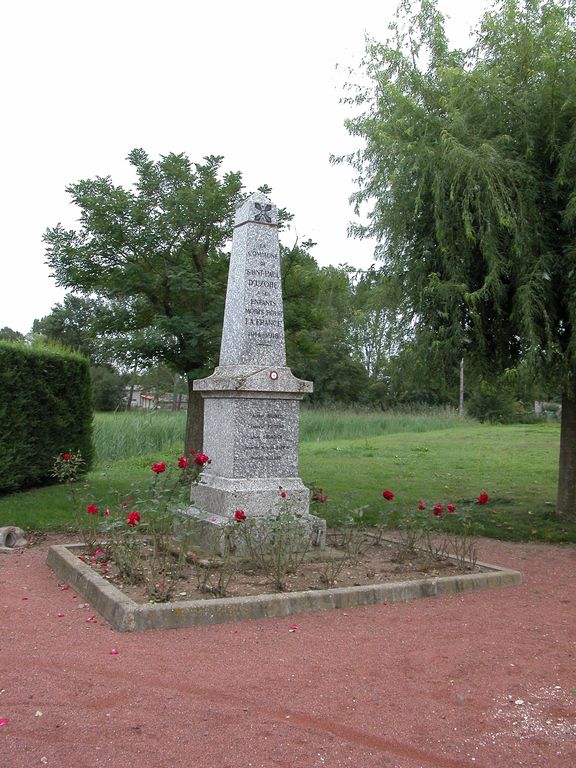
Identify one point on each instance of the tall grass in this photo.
(321, 424)
(138, 433)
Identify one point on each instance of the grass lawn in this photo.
(516, 464)
(435, 459)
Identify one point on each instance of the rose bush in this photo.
(438, 533)
(134, 536)
(129, 537)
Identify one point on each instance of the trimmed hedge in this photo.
(45, 409)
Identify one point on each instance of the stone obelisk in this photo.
(252, 400)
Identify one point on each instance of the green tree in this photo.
(7, 334)
(317, 314)
(339, 373)
(469, 169)
(417, 375)
(377, 325)
(160, 381)
(153, 256)
(74, 323)
(107, 388)
(301, 280)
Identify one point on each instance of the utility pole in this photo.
(461, 402)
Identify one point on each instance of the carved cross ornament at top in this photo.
(263, 214)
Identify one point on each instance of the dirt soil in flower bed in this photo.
(379, 561)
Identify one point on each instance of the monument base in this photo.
(216, 499)
(255, 496)
(212, 533)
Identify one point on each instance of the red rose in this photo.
(92, 509)
(438, 509)
(66, 456)
(421, 506)
(483, 498)
(183, 462)
(388, 495)
(133, 518)
(283, 494)
(240, 515)
(106, 512)
(201, 459)
(450, 507)
(159, 467)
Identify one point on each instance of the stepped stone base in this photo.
(216, 499)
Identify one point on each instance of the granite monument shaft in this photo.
(252, 400)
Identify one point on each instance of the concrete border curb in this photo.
(125, 615)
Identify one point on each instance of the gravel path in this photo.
(486, 679)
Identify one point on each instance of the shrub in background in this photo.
(45, 409)
(492, 402)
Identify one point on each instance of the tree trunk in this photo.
(130, 396)
(174, 393)
(566, 499)
(194, 438)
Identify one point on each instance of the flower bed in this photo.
(199, 576)
(140, 564)
(126, 614)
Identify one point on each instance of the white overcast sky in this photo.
(84, 82)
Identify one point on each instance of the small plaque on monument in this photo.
(252, 400)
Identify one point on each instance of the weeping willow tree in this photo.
(468, 170)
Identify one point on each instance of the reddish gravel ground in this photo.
(486, 679)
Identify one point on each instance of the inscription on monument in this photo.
(263, 315)
(266, 442)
